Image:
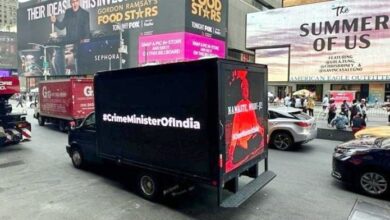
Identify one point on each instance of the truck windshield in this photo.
(89, 121)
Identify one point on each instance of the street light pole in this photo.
(122, 47)
(45, 64)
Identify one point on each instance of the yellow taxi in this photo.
(380, 131)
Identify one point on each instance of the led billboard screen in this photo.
(330, 41)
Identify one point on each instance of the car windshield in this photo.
(301, 115)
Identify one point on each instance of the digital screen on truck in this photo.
(244, 126)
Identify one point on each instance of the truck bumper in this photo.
(248, 190)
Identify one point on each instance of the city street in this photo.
(38, 181)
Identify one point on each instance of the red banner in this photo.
(340, 96)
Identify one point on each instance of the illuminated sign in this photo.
(330, 41)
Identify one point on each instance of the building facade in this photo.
(8, 15)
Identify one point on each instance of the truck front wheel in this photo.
(77, 158)
(149, 186)
(41, 120)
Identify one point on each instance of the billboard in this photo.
(330, 41)
(176, 47)
(244, 128)
(85, 36)
(8, 50)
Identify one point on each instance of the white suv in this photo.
(289, 126)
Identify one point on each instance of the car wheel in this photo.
(149, 186)
(374, 183)
(281, 140)
(77, 158)
(41, 120)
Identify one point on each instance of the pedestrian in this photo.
(340, 121)
(298, 102)
(20, 101)
(363, 107)
(287, 102)
(345, 107)
(332, 110)
(304, 99)
(358, 123)
(325, 103)
(292, 102)
(310, 106)
(355, 109)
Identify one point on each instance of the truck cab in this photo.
(82, 142)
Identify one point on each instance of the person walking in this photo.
(325, 103)
(345, 108)
(287, 102)
(304, 101)
(332, 110)
(20, 101)
(310, 106)
(355, 109)
(298, 102)
(363, 108)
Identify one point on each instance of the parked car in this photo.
(290, 126)
(365, 163)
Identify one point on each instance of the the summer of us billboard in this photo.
(83, 36)
(331, 41)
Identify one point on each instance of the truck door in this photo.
(87, 137)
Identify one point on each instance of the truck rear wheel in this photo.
(149, 186)
(77, 158)
(41, 120)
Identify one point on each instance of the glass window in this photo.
(89, 121)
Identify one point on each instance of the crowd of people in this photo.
(351, 115)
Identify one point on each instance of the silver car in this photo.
(289, 126)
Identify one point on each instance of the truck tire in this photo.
(41, 120)
(77, 158)
(149, 186)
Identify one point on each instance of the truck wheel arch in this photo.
(77, 157)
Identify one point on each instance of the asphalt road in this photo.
(38, 181)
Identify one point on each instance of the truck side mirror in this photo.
(72, 125)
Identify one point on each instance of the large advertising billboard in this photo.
(85, 36)
(245, 129)
(8, 50)
(331, 41)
